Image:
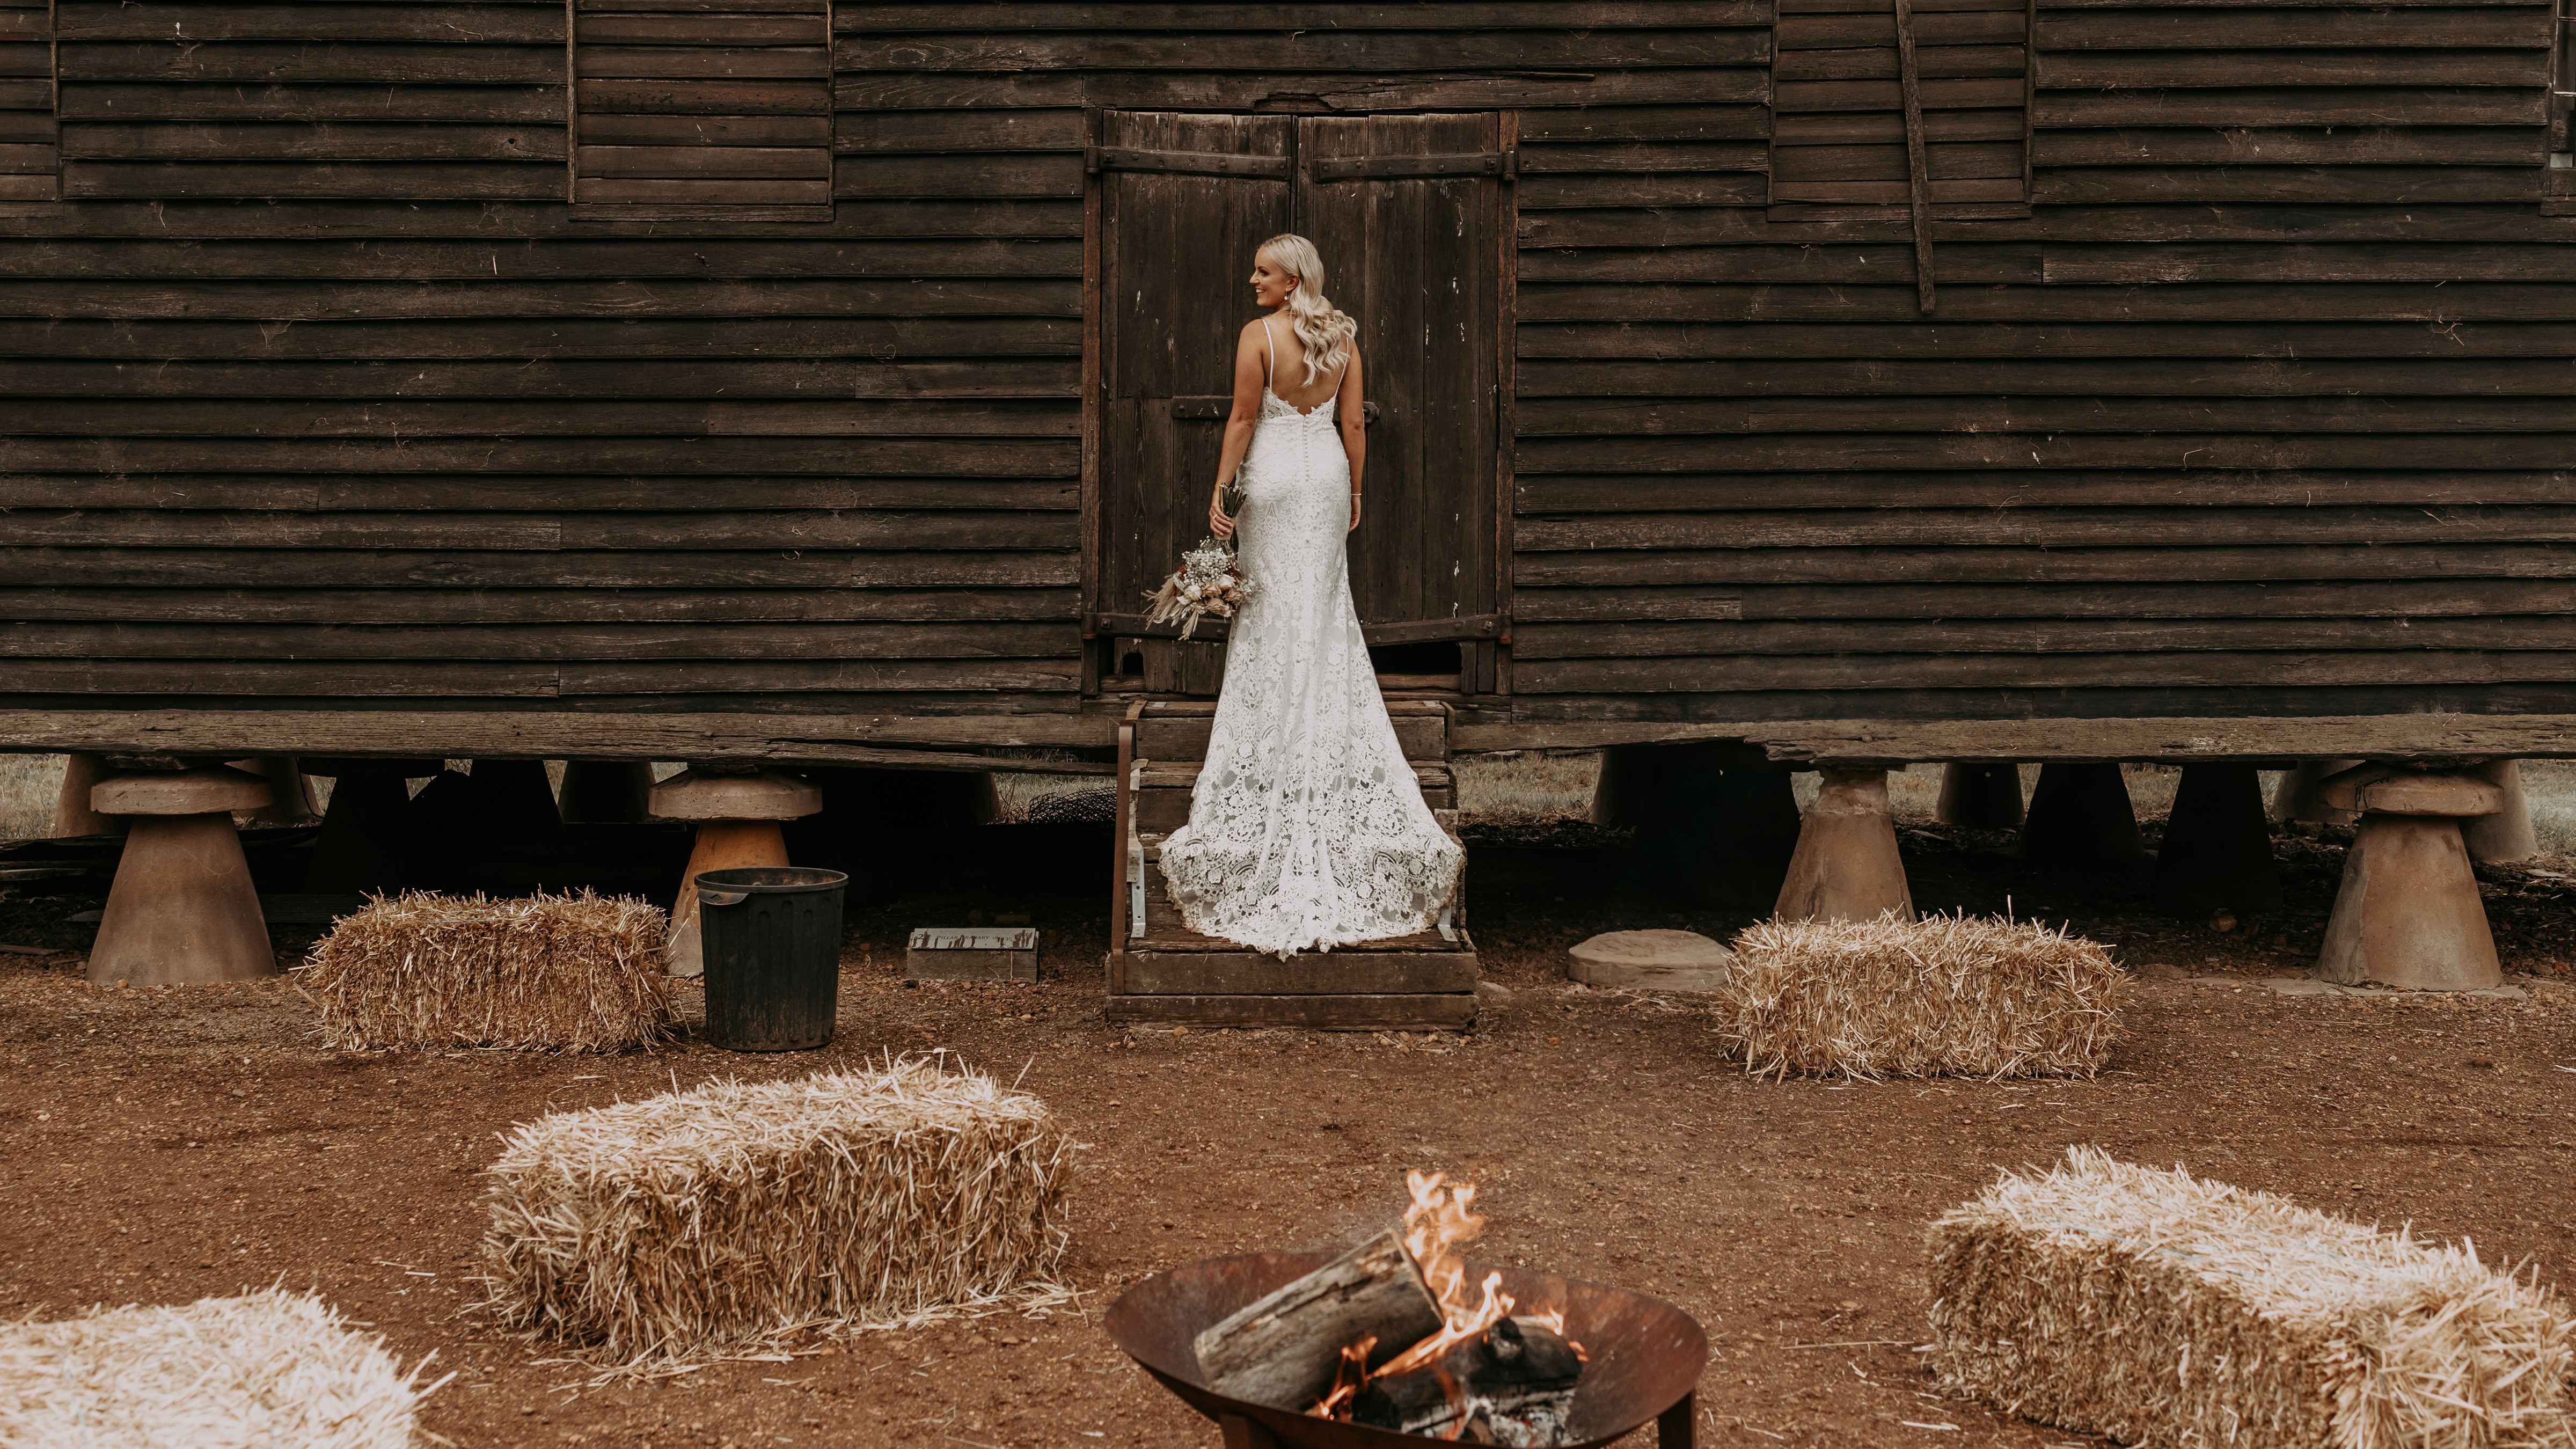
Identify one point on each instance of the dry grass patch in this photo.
(260, 1370)
(574, 972)
(2154, 1308)
(1973, 996)
(697, 1222)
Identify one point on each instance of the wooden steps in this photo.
(1161, 971)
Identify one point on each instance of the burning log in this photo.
(1286, 1349)
(1512, 1384)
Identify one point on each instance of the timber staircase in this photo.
(1161, 971)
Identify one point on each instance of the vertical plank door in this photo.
(1407, 211)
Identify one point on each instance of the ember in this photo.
(1389, 1335)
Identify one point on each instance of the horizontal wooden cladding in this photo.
(2396, 104)
(2429, 337)
(2293, 27)
(2009, 638)
(1188, 21)
(645, 378)
(538, 103)
(2293, 145)
(1600, 417)
(1563, 82)
(1900, 493)
(1226, 43)
(2210, 69)
(1841, 131)
(2273, 721)
(533, 180)
(703, 108)
(299, 62)
(2145, 670)
(387, 568)
(31, 417)
(392, 299)
(571, 258)
(2348, 183)
(2017, 452)
(415, 678)
(30, 159)
(570, 339)
(2287, 302)
(2039, 527)
(304, 24)
(829, 456)
(1632, 610)
(273, 141)
(1971, 564)
(749, 529)
(544, 643)
(2189, 378)
(416, 606)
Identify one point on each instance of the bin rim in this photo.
(744, 880)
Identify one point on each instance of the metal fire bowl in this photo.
(1646, 1354)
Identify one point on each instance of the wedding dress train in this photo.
(1306, 827)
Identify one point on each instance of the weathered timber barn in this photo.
(803, 379)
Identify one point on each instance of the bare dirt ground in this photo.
(156, 1146)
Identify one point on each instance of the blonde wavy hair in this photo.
(1325, 329)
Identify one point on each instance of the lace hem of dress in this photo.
(1408, 887)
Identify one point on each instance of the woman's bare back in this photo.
(1288, 370)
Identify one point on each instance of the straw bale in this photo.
(575, 972)
(2157, 1309)
(1974, 996)
(264, 1369)
(687, 1223)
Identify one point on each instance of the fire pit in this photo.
(1645, 1355)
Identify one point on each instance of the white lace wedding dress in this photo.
(1306, 827)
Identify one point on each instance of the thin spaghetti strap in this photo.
(1265, 352)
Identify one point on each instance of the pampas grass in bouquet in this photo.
(252, 1372)
(1208, 584)
(1946, 995)
(572, 972)
(700, 1222)
(2144, 1305)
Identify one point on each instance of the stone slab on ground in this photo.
(972, 954)
(1651, 960)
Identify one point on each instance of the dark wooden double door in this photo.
(1411, 216)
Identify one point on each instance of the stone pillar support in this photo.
(363, 840)
(2295, 797)
(182, 909)
(1846, 866)
(2217, 852)
(72, 813)
(2080, 815)
(606, 792)
(2408, 913)
(2506, 836)
(738, 812)
(1980, 797)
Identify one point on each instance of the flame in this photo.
(1348, 1376)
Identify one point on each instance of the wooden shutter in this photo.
(1838, 136)
(30, 163)
(698, 112)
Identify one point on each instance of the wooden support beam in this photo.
(1918, 169)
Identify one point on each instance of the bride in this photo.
(1306, 827)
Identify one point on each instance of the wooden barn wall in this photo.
(315, 390)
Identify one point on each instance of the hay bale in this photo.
(695, 1221)
(263, 1369)
(2153, 1308)
(1973, 996)
(574, 972)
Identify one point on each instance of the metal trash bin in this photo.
(772, 939)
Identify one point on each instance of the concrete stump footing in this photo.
(1846, 867)
(740, 818)
(1980, 797)
(2407, 913)
(73, 815)
(2507, 835)
(182, 909)
(2217, 852)
(2080, 815)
